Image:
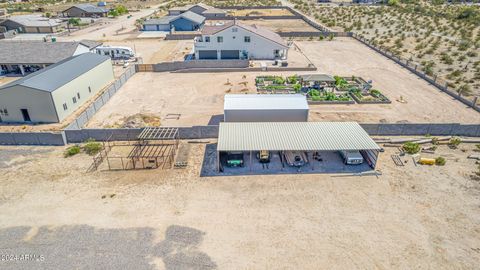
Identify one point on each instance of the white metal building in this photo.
(308, 137)
(265, 108)
(53, 93)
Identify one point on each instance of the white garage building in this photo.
(265, 108)
(53, 93)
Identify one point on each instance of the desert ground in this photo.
(286, 25)
(161, 94)
(260, 12)
(408, 217)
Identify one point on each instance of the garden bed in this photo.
(371, 97)
(318, 97)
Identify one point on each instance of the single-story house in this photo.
(53, 93)
(23, 57)
(235, 40)
(265, 108)
(200, 9)
(32, 24)
(85, 10)
(187, 21)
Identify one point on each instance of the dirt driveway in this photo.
(410, 217)
(199, 96)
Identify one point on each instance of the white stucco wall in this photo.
(258, 47)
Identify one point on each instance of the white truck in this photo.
(116, 52)
(352, 157)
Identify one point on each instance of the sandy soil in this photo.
(260, 12)
(410, 217)
(5, 80)
(278, 25)
(170, 93)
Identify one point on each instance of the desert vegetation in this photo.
(442, 40)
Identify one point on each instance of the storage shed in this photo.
(53, 93)
(265, 108)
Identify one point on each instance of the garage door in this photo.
(230, 54)
(207, 54)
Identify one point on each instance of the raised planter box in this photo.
(330, 102)
(383, 100)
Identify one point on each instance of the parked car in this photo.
(295, 158)
(352, 157)
(235, 159)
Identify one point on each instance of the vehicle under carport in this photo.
(319, 142)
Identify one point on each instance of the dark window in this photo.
(78, 95)
(234, 29)
(65, 106)
(207, 39)
(247, 39)
(74, 99)
(219, 39)
(89, 89)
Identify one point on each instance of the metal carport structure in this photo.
(296, 136)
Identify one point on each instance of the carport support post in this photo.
(218, 161)
(250, 160)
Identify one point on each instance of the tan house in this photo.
(53, 93)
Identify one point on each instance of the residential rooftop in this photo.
(261, 31)
(53, 77)
(35, 20)
(39, 52)
(194, 17)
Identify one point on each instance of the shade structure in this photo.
(294, 136)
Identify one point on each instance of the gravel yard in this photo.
(409, 217)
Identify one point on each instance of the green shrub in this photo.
(411, 147)
(375, 93)
(297, 87)
(72, 150)
(92, 147)
(454, 142)
(440, 161)
(339, 81)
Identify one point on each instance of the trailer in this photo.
(116, 52)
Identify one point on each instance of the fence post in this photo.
(435, 78)
(474, 103)
(416, 67)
